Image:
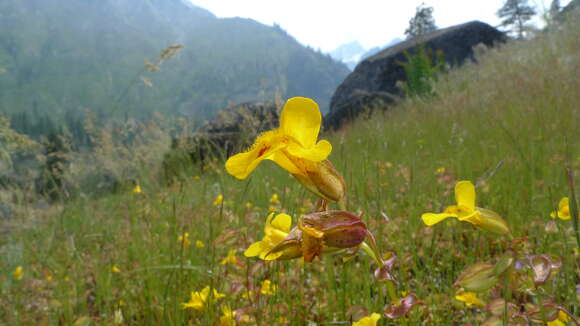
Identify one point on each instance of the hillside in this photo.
(155, 255)
(72, 54)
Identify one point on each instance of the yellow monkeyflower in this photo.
(274, 199)
(440, 170)
(137, 189)
(230, 258)
(199, 299)
(560, 321)
(466, 211)
(275, 231)
(563, 212)
(470, 299)
(294, 147)
(184, 239)
(368, 320)
(268, 288)
(199, 244)
(18, 273)
(228, 317)
(115, 269)
(219, 199)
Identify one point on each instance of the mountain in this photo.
(349, 53)
(62, 55)
(378, 49)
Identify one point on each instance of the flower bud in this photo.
(478, 277)
(492, 222)
(321, 178)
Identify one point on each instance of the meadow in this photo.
(509, 124)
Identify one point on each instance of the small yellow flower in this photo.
(199, 299)
(230, 258)
(563, 212)
(440, 170)
(184, 240)
(470, 299)
(275, 232)
(49, 278)
(466, 211)
(368, 320)
(18, 273)
(274, 199)
(268, 288)
(195, 177)
(199, 244)
(228, 317)
(219, 199)
(248, 294)
(137, 189)
(272, 208)
(115, 269)
(249, 205)
(560, 321)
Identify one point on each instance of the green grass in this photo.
(509, 122)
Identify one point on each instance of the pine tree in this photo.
(516, 13)
(422, 23)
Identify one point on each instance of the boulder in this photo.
(232, 130)
(374, 81)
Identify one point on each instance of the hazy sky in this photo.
(327, 24)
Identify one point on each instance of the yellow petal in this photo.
(465, 194)
(300, 119)
(316, 153)
(266, 145)
(254, 249)
(282, 222)
(284, 162)
(432, 218)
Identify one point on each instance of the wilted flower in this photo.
(275, 231)
(368, 320)
(219, 199)
(199, 299)
(268, 288)
(470, 299)
(563, 212)
(294, 147)
(465, 210)
(18, 273)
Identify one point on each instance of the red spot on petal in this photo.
(263, 150)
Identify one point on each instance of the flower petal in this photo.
(300, 119)
(432, 218)
(284, 162)
(265, 147)
(465, 194)
(282, 222)
(254, 249)
(316, 153)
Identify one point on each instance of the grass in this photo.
(509, 123)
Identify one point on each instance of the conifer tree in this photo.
(422, 23)
(516, 13)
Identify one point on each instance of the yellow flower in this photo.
(199, 299)
(560, 321)
(219, 199)
(470, 299)
(249, 205)
(440, 170)
(115, 269)
(199, 244)
(184, 239)
(368, 320)
(274, 199)
(228, 317)
(230, 258)
(563, 212)
(294, 147)
(275, 232)
(465, 210)
(18, 273)
(268, 288)
(137, 189)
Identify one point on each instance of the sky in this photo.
(324, 24)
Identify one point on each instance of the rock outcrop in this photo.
(373, 83)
